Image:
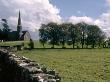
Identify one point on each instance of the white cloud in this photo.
(75, 19)
(33, 12)
(103, 21)
(108, 2)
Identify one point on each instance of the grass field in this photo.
(79, 65)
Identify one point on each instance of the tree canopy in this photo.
(72, 34)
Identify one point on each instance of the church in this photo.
(19, 35)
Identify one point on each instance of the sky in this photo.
(36, 12)
(92, 8)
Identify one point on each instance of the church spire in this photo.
(19, 26)
(19, 19)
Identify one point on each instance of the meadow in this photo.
(74, 65)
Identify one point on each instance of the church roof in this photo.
(13, 35)
(23, 33)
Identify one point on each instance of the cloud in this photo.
(75, 19)
(103, 21)
(33, 12)
(108, 2)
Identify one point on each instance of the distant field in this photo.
(12, 43)
(78, 65)
(37, 44)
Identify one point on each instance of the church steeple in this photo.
(19, 19)
(19, 26)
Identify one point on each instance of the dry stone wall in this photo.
(20, 69)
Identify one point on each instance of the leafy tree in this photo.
(31, 44)
(53, 33)
(6, 29)
(73, 33)
(1, 34)
(108, 42)
(83, 32)
(95, 35)
(63, 33)
(101, 38)
(87, 36)
(43, 34)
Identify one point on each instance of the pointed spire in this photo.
(19, 27)
(19, 19)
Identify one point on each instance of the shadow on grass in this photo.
(61, 48)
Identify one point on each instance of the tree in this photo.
(95, 35)
(6, 29)
(31, 44)
(63, 33)
(83, 32)
(43, 34)
(101, 38)
(73, 33)
(1, 34)
(53, 33)
(107, 42)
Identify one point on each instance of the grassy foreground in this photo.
(79, 65)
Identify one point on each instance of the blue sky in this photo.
(91, 8)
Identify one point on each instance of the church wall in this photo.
(27, 37)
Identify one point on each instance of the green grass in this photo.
(13, 43)
(37, 44)
(74, 65)
(79, 65)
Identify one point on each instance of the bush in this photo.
(31, 44)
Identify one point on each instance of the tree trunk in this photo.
(99, 45)
(73, 40)
(73, 45)
(63, 44)
(82, 45)
(93, 45)
(43, 45)
(87, 44)
(53, 45)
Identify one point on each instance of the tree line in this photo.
(80, 35)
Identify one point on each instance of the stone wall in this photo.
(20, 69)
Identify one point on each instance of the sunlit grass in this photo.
(74, 65)
(79, 65)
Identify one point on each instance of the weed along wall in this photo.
(21, 69)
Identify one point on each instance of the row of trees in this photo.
(68, 33)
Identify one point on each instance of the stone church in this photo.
(19, 35)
